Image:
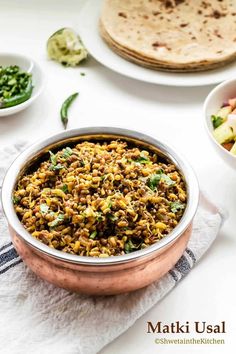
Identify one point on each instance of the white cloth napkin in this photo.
(36, 317)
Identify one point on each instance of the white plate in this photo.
(26, 64)
(88, 30)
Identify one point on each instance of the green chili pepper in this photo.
(64, 108)
(19, 98)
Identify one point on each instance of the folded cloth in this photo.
(36, 317)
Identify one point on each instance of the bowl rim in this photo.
(35, 93)
(206, 119)
(27, 155)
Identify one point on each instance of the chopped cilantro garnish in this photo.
(176, 206)
(67, 152)
(130, 247)
(143, 160)
(16, 199)
(165, 178)
(57, 221)
(44, 208)
(53, 158)
(112, 217)
(155, 179)
(64, 188)
(56, 167)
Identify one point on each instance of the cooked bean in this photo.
(101, 199)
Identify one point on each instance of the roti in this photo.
(171, 35)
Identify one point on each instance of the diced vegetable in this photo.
(232, 102)
(223, 112)
(217, 121)
(93, 235)
(232, 122)
(228, 146)
(224, 124)
(233, 150)
(15, 86)
(223, 134)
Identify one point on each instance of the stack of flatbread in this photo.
(171, 35)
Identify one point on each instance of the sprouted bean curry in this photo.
(101, 199)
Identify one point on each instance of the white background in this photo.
(175, 114)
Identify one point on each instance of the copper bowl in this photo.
(94, 275)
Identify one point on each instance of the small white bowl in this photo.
(26, 64)
(212, 104)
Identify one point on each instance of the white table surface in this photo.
(175, 114)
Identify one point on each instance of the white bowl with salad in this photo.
(21, 82)
(220, 120)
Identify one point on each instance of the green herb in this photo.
(56, 167)
(67, 152)
(112, 217)
(57, 221)
(53, 158)
(155, 179)
(143, 160)
(176, 206)
(64, 188)
(165, 178)
(130, 247)
(82, 74)
(216, 121)
(109, 204)
(93, 235)
(16, 200)
(64, 108)
(82, 163)
(44, 208)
